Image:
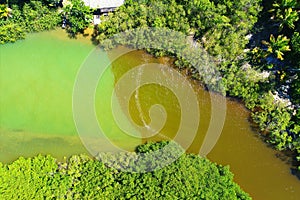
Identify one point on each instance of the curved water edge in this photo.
(36, 113)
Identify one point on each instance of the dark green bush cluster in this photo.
(11, 33)
(33, 178)
(23, 18)
(78, 17)
(80, 177)
(220, 25)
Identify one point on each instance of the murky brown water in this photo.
(256, 167)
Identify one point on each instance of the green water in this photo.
(36, 83)
(37, 77)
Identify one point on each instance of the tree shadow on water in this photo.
(294, 169)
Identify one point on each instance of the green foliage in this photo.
(11, 33)
(37, 17)
(189, 177)
(52, 3)
(152, 146)
(144, 14)
(32, 178)
(4, 11)
(222, 33)
(243, 83)
(78, 15)
(90, 179)
(286, 12)
(296, 45)
(278, 46)
(274, 118)
(295, 90)
(227, 37)
(30, 17)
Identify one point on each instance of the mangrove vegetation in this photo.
(80, 177)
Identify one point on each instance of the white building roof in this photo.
(103, 3)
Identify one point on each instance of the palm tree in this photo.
(286, 12)
(278, 46)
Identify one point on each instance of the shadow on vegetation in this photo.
(263, 27)
(94, 36)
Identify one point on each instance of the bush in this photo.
(30, 17)
(189, 177)
(78, 16)
(32, 178)
(11, 33)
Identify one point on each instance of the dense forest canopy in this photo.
(80, 177)
(20, 17)
(222, 27)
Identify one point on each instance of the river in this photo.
(36, 83)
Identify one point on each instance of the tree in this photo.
(81, 177)
(277, 46)
(286, 12)
(78, 16)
